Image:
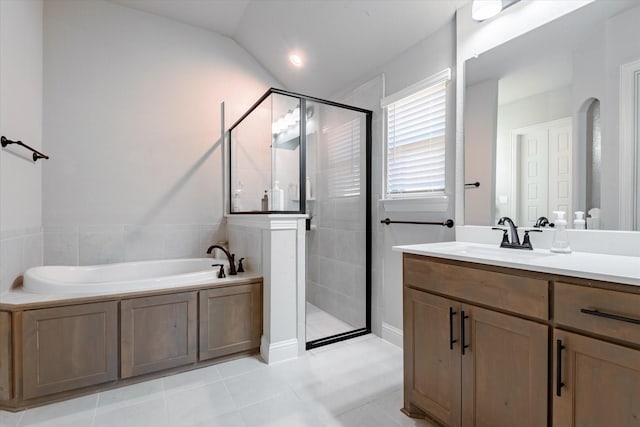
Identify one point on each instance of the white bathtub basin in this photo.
(121, 277)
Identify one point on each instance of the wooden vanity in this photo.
(55, 350)
(496, 346)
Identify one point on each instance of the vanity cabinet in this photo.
(468, 365)
(69, 347)
(596, 383)
(230, 320)
(158, 332)
(5, 356)
(596, 380)
(432, 364)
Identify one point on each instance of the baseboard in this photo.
(278, 352)
(392, 334)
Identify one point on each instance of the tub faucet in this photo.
(230, 257)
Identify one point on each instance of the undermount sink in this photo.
(495, 252)
(476, 252)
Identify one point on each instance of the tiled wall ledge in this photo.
(19, 249)
(103, 244)
(609, 242)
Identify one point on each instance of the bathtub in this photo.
(121, 277)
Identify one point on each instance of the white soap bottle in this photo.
(277, 197)
(560, 242)
(579, 222)
(307, 190)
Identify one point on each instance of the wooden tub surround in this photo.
(60, 349)
(501, 347)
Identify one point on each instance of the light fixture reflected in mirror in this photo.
(481, 10)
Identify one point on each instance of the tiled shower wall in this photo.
(102, 244)
(19, 250)
(336, 271)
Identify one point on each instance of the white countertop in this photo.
(19, 296)
(610, 268)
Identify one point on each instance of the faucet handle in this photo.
(221, 274)
(505, 236)
(240, 266)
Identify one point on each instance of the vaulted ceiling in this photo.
(340, 40)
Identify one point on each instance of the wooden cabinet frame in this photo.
(80, 338)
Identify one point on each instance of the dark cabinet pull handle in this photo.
(462, 332)
(559, 383)
(610, 316)
(451, 340)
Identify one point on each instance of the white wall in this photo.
(132, 123)
(20, 119)
(429, 56)
(481, 129)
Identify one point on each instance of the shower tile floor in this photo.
(321, 324)
(357, 382)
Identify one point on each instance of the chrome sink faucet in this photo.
(230, 257)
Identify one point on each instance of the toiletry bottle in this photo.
(277, 197)
(593, 219)
(578, 221)
(236, 205)
(560, 242)
(308, 189)
(265, 202)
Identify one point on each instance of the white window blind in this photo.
(343, 145)
(416, 124)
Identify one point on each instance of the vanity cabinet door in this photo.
(158, 332)
(230, 320)
(5, 356)
(504, 369)
(600, 382)
(65, 348)
(431, 359)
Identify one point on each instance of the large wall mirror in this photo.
(542, 120)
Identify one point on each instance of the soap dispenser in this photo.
(578, 221)
(560, 242)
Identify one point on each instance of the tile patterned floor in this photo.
(321, 324)
(352, 383)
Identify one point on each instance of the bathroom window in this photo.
(415, 139)
(343, 146)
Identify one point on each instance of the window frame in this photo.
(436, 201)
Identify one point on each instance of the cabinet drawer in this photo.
(517, 294)
(608, 313)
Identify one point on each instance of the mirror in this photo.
(541, 119)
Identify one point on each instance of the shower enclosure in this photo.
(292, 153)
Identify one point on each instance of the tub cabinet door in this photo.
(230, 320)
(158, 332)
(65, 348)
(5, 356)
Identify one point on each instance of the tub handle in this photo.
(221, 274)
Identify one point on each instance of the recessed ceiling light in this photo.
(296, 60)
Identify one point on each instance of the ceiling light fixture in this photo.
(296, 60)
(482, 10)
